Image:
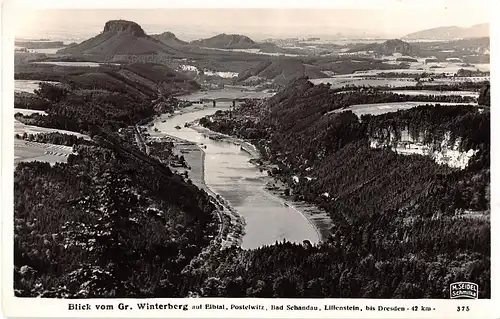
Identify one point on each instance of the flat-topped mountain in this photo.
(451, 33)
(119, 37)
(227, 41)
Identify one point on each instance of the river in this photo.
(229, 173)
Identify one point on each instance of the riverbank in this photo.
(317, 218)
(232, 224)
(232, 227)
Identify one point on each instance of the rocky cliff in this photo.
(124, 26)
(445, 149)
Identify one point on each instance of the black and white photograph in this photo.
(299, 154)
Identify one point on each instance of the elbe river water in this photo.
(229, 173)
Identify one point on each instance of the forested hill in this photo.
(227, 41)
(398, 220)
(169, 39)
(112, 221)
(281, 70)
(107, 96)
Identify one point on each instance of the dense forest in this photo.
(54, 138)
(75, 110)
(404, 226)
(30, 101)
(111, 222)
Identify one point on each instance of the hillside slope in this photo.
(140, 79)
(281, 70)
(451, 33)
(119, 37)
(227, 41)
(170, 39)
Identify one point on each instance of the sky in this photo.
(261, 23)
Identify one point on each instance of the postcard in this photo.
(248, 160)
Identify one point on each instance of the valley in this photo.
(148, 166)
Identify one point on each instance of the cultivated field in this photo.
(26, 151)
(43, 152)
(339, 82)
(435, 92)
(359, 80)
(20, 128)
(28, 85)
(381, 108)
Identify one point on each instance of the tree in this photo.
(213, 287)
(53, 93)
(261, 290)
(484, 96)
(235, 288)
(284, 288)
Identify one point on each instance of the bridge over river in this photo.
(225, 95)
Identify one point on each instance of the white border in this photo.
(145, 4)
(58, 308)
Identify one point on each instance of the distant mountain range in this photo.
(240, 42)
(451, 33)
(126, 38)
